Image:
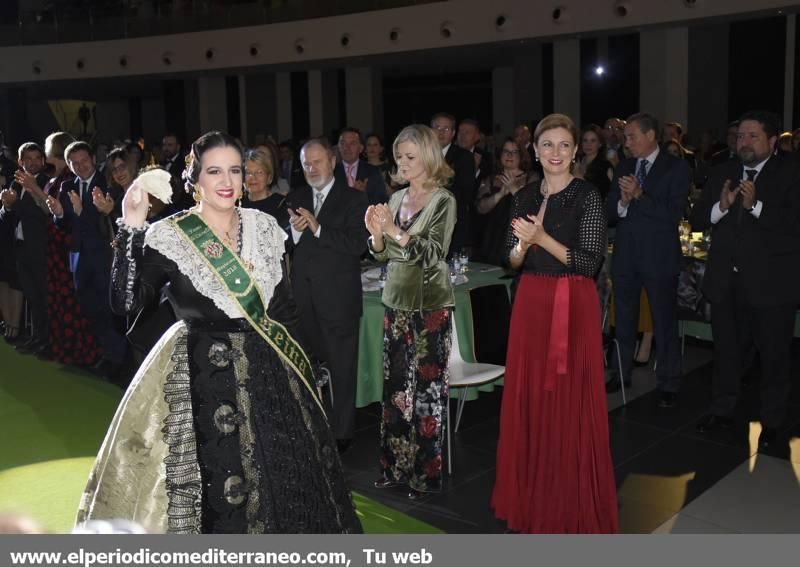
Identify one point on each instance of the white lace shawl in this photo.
(262, 246)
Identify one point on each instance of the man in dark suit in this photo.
(463, 183)
(729, 153)
(328, 238)
(753, 274)
(357, 173)
(291, 168)
(647, 199)
(25, 203)
(469, 135)
(87, 209)
(173, 162)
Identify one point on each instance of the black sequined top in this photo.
(575, 217)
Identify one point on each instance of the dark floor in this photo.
(661, 463)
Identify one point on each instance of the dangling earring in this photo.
(537, 157)
(196, 196)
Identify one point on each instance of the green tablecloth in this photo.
(370, 336)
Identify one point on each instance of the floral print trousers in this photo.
(416, 350)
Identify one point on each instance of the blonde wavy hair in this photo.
(430, 152)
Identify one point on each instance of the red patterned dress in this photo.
(71, 338)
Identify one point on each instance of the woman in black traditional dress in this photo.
(221, 430)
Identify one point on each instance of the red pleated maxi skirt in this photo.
(554, 470)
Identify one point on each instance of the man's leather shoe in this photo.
(384, 482)
(667, 399)
(710, 422)
(343, 445)
(614, 385)
(30, 346)
(767, 438)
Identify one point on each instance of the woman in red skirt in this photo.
(554, 470)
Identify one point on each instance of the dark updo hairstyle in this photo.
(208, 141)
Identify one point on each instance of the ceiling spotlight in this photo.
(37, 68)
(166, 59)
(345, 40)
(123, 61)
(254, 49)
(599, 70)
(447, 30)
(500, 21)
(394, 35)
(210, 54)
(559, 14)
(299, 46)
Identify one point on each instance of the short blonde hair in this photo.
(430, 152)
(264, 160)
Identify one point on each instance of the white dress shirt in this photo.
(717, 213)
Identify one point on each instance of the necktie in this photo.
(351, 181)
(751, 175)
(83, 190)
(320, 197)
(641, 172)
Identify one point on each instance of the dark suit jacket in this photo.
(33, 218)
(91, 231)
(376, 189)
(326, 271)
(647, 239)
(766, 250)
(464, 188)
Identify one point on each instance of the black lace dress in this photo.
(266, 459)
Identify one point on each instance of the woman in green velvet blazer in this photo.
(413, 233)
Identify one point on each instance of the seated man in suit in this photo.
(173, 162)
(752, 205)
(87, 209)
(647, 200)
(356, 172)
(328, 240)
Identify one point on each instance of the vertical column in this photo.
(212, 99)
(245, 134)
(527, 86)
(708, 80)
(315, 103)
(360, 95)
(788, 83)
(502, 103)
(664, 74)
(331, 120)
(261, 107)
(567, 78)
(283, 96)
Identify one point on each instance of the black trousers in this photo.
(662, 294)
(335, 343)
(32, 278)
(736, 325)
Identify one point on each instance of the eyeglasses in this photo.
(510, 152)
(122, 168)
(441, 128)
(258, 173)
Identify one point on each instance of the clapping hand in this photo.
(529, 231)
(8, 197)
(75, 198)
(748, 190)
(726, 196)
(55, 206)
(629, 188)
(102, 202)
(372, 222)
(302, 219)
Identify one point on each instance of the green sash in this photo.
(230, 270)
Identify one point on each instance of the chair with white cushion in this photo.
(463, 375)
